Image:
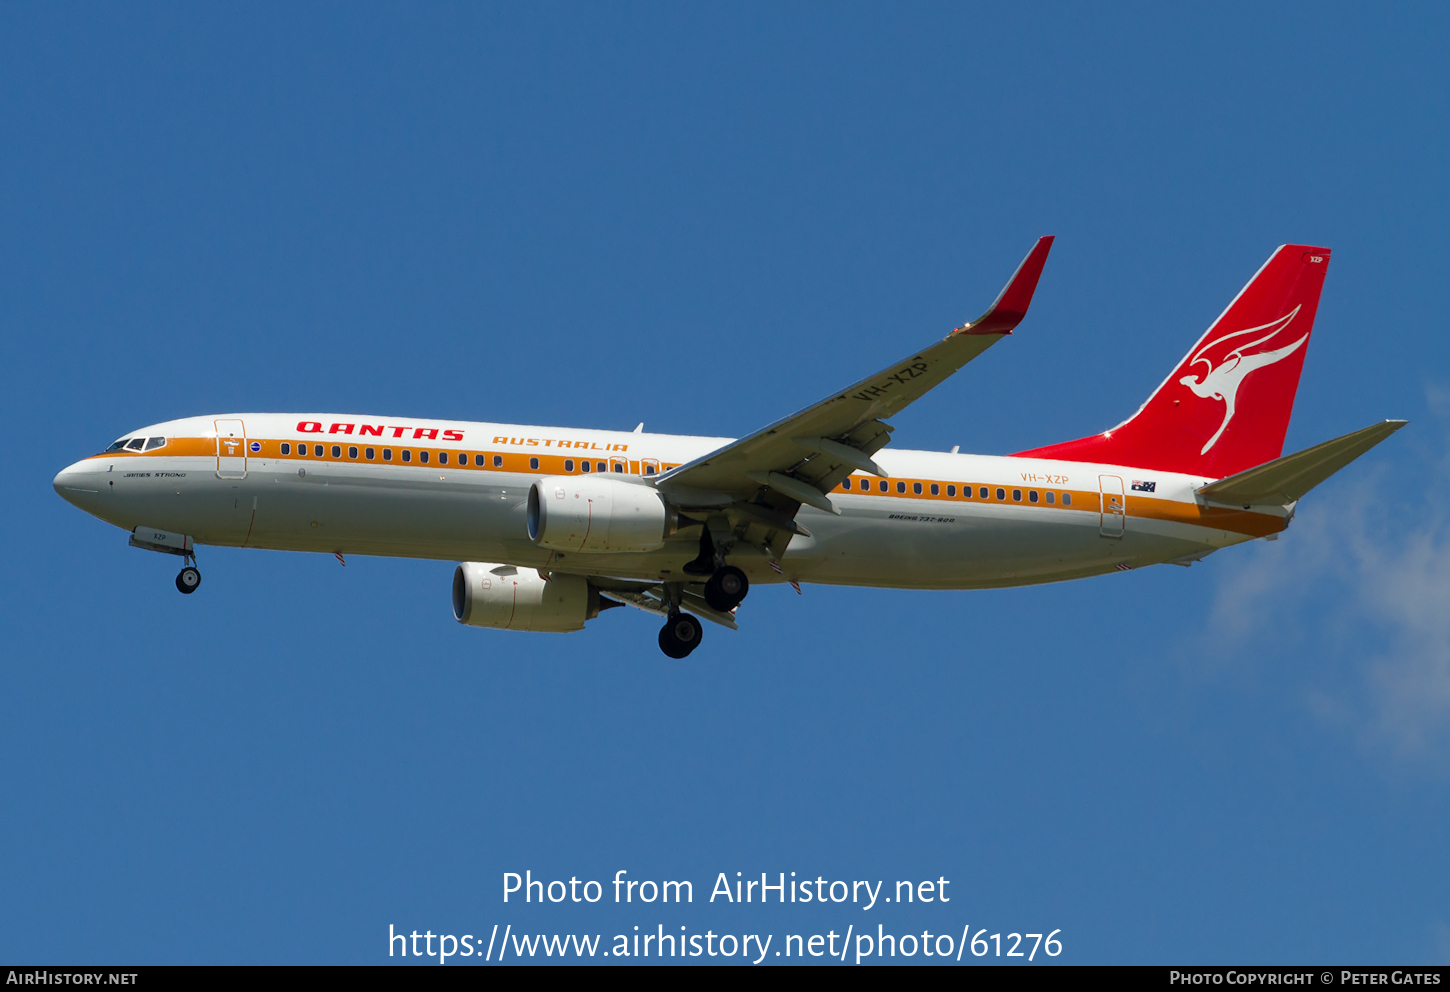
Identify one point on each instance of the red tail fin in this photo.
(1226, 406)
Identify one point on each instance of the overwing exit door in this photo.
(1114, 509)
(231, 449)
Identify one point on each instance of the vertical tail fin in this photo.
(1226, 407)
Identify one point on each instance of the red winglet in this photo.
(1007, 311)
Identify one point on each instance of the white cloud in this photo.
(1362, 582)
(1439, 943)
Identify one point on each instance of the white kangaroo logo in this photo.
(1221, 382)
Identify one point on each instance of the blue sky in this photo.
(704, 218)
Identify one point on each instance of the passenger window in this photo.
(135, 444)
(901, 487)
(599, 466)
(1001, 494)
(1017, 495)
(649, 470)
(568, 464)
(407, 455)
(1067, 499)
(935, 489)
(155, 442)
(478, 460)
(423, 457)
(337, 451)
(370, 453)
(1051, 498)
(317, 450)
(951, 490)
(1032, 496)
(845, 483)
(498, 461)
(286, 448)
(583, 466)
(442, 458)
(533, 463)
(982, 493)
(916, 488)
(618, 467)
(387, 454)
(351, 452)
(884, 485)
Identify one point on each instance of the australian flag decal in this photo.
(1144, 487)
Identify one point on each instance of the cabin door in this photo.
(231, 449)
(1114, 510)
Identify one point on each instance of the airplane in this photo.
(553, 526)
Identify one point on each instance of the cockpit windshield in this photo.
(138, 444)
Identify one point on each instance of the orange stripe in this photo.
(202, 447)
(1235, 521)
(1087, 501)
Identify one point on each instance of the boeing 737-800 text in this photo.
(554, 525)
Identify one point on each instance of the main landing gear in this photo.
(726, 589)
(680, 635)
(727, 586)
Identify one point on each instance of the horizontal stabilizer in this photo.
(1286, 479)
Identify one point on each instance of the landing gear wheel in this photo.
(188, 579)
(680, 635)
(726, 589)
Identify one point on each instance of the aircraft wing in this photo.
(806, 455)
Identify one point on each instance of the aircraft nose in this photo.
(78, 484)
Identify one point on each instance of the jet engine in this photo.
(487, 594)
(596, 513)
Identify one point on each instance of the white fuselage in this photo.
(239, 481)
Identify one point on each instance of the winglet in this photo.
(1007, 311)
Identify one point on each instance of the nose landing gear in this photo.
(165, 542)
(680, 635)
(188, 579)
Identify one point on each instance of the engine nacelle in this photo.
(595, 513)
(487, 594)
